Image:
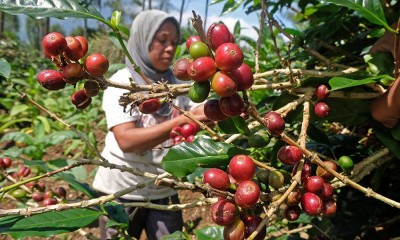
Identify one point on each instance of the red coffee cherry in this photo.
(290, 155)
(150, 105)
(51, 80)
(188, 129)
(329, 207)
(313, 184)
(80, 99)
(48, 194)
(213, 112)
(292, 213)
(321, 109)
(223, 212)
(311, 204)
(180, 69)
(217, 178)
(91, 88)
(37, 196)
(228, 57)
(175, 131)
(325, 174)
(72, 73)
(54, 43)
(223, 84)
(218, 34)
(243, 77)
(251, 223)
(235, 231)
(274, 123)
(191, 40)
(96, 64)
(178, 139)
(326, 192)
(322, 92)
(294, 197)
(242, 167)
(202, 69)
(7, 162)
(74, 49)
(305, 173)
(232, 105)
(247, 194)
(82, 40)
(49, 201)
(190, 138)
(61, 192)
(24, 171)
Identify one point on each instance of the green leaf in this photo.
(208, 233)
(184, 158)
(230, 6)
(116, 212)
(346, 111)
(61, 136)
(389, 142)
(337, 83)
(369, 9)
(48, 224)
(52, 8)
(5, 68)
(234, 125)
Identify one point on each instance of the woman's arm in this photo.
(133, 139)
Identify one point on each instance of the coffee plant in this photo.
(306, 135)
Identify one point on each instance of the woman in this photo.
(139, 140)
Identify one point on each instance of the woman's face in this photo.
(162, 48)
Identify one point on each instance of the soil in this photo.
(194, 218)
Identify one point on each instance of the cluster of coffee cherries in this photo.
(33, 190)
(321, 109)
(235, 213)
(216, 64)
(184, 133)
(68, 54)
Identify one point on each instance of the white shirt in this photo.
(112, 180)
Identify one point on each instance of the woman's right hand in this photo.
(198, 114)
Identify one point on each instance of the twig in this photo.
(173, 207)
(304, 72)
(270, 20)
(82, 204)
(197, 24)
(289, 232)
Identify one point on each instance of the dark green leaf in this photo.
(184, 158)
(230, 6)
(208, 233)
(52, 8)
(116, 212)
(48, 224)
(346, 111)
(369, 9)
(5, 68)
(234, 125)
(337, 83)
(390, 143)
